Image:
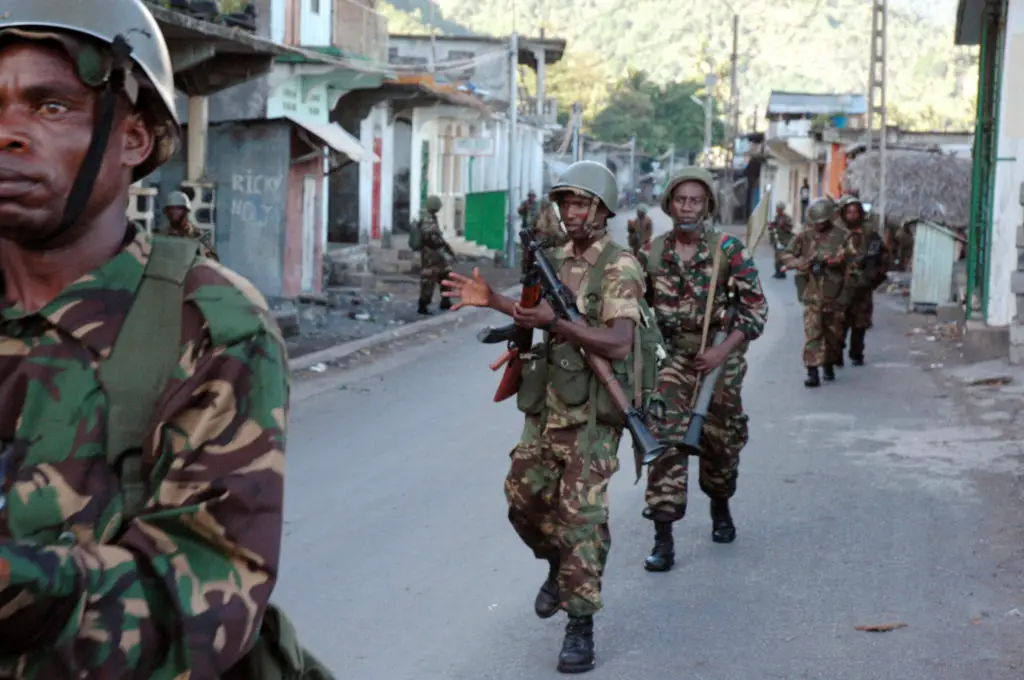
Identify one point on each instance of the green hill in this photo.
(802, 45)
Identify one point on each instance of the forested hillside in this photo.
(804, 45)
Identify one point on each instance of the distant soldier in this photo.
(820, 254)
(529, 210)
(436, 257)
(780, 231)
(547, 229)
(177, 222)
(640, 230)
(866, 272)
(680, 267)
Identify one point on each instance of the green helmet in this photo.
(592, 178)
(690, 174)
(177, 199)
(849, 199)
(821, 210)
(77, 27)
(781, 205)
(641, 209)
(433, 203)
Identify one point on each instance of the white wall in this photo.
(1006, 210)
(277, 20)
(490, 75)
(315, 29)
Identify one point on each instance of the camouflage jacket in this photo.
(180, 590)
(830, 252)
(622, 288)
(678, 293)
(860, 241)
(203, 236)
(639, 232)
(780, 231)
(529, 211)
(436, 251)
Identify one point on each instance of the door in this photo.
(309, 222)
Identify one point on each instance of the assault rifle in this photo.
(691, 439)
(542, 278)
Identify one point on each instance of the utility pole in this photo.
(734, 114)
(577, 139)
(876, 97)
(709, 84)
(513, 104)
(433, 43)
(672, 161)
(632, 163)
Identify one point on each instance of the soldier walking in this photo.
(639, 229)
(436, 257)
(780, 231)
(177, 222)
(529, 210)
(866, 272)
(557, 486)
(680, 267)
(820, 254)
(143, 389)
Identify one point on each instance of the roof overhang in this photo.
(354, 106)
(335, 138)
(969, 17)
(782, 150)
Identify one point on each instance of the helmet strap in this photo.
(106, 105)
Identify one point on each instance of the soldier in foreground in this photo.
(820, 254)
(640, 230)
(780, 231)
(435, 258)
(867, 271)
(680, 267)
(557, 486)
(144, 390)
(177, 222)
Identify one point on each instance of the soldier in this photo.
(819, 254)
(780, 231)
(547, 229)
(528, 210)
(435, 259)
(557, 486)
(176, 222)
(640, 230)
(680, 267)
(144, 390)
(866, 272)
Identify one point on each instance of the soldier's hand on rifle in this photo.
(472, 292)
(803, 266)
(711, 358)
(541, 316)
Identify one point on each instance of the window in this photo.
(314, 5)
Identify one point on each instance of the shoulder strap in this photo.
(716, 263)
(144, 356)
(592, 294)
(656, 255)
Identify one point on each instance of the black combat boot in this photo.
(446, 304)
(577, 654)
(830, 374)
(423, 308)
(722, 528)
(547, 603)
(663, 556)
(857, 345)
(812, 377)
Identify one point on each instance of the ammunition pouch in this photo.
(569, 374)
(533, 382)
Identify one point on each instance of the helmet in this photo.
(781, 205)
(641, 208)
(433, 203)
(78, 26)
(592, 178)
(819, 211)
(849, 199)
(691, 174)
(177, 199)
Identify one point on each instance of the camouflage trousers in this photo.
(861, 309)
(722, 438)
(430, 280)
(824, 326)
(559, 505)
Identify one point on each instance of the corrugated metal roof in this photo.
(815, 104)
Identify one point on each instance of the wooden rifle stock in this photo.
(521, 342)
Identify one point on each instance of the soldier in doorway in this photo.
(780, 231)
(436, 257)
(177, 222)
(640, 230)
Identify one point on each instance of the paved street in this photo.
(859, 503)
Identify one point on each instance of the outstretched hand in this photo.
(472, 292)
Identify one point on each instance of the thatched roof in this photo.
(919, 184)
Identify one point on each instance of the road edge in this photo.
(346, 349)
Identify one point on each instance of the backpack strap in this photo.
(656, 255)
(722, 240)
(142, 361)
(592, 295)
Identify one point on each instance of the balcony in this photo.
(549, 112)
(360, 30)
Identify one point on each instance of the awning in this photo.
(337, 139)
(784, 152)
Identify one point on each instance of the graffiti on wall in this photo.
(255, 198)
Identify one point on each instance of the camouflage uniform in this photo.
(434, 261)
(124, 596)
(529, 211)
(557, 487)
(190, 230)
(780, 232)
(823, 293)
(640, 231)
(547, 228)
(863, 277)
(678, 296)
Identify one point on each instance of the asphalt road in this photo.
(857, 504)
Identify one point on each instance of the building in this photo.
(995, 275)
